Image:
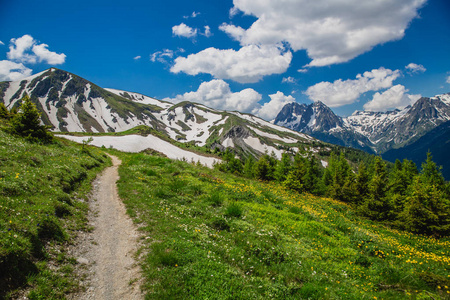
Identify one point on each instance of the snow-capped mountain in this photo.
(70, 103)
(319, 121)
(378, 131)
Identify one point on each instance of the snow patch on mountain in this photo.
(140, 98)
(137, 143)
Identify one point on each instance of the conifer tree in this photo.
(27, 123)
(283, 167)
(362, 183)
(4, 113)
(248, 167)
(263, 168)
(427, 209)
(378, 205)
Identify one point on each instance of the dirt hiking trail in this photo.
(107, 253)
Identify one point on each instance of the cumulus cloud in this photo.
(248, 65)
(302, 70)
(217, 94)
(137, 57)
(43, 54)
(184, 31)
(207, 32)
(27, 50)
(342, 92)
(413, 68)
(330, 31)
(395, 97)
(268, 111)
(288, 80)
(162, 56)
(11, 71)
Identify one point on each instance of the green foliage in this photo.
(233, 210)
(285, 245)
(4, 113)
(264, 168)
(427, 209)
(40, 210)
(27, 123)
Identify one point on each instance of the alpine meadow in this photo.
(225, 150)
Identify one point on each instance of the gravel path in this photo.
(107, 253)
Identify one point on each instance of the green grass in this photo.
(211, 235)
(43, 192)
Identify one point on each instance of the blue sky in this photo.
(252, 56)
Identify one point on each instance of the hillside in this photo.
(206, 234)
(43, 195)
(437, 141)
(70, 103)
(212, 235)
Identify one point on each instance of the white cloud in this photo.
(302, 70)
(43, 54)
(268, 111)
(11, 71)
(233, 11)
(288, 80)
(415, 68)
(330, 31)
(18, 48)
(1, 43)
(342, 92)
(217, 94)
(448, 79)
(249, 64)
(193, 15)
(184, 31)
(162, 56)
(395, 97)
(207, 31)
(137, 57)
(26, 50)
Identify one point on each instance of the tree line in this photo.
(25, 121)
(401, 196)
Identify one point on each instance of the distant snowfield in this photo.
(137, 143)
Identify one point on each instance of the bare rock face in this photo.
(370, 131)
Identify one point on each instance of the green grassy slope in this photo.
(42, 204)
(211, 235)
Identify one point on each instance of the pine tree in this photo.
(431, 173)
(427, 209)
(248, 167)
(362, 183)
(263, 168)
(378, 205)
(283, 167)
(4, 113)
(27, 123)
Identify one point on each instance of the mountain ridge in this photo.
(375, 132)
(70, 103)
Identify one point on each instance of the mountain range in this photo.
(69, 103)
(392, 134)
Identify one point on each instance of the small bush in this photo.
(220, 224)
(234, 210)
(50, 230)
(215, 199)
(62, 210)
